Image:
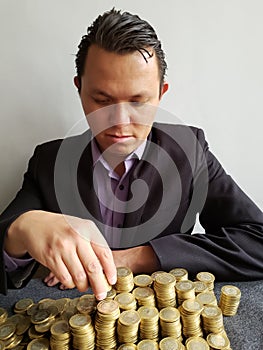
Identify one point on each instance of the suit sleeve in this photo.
(231, 247)
(28, 198)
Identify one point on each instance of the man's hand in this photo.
(57, 242)
(140, 259)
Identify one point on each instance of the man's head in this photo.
(120, 79)
(121, 33)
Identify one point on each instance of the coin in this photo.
(127, 346)
(107, 306)
(38, 344)
(147, 344)
(126, 301)
(179, 273)
(40, 316)
(206, 277)
(3, 315)
(142, 280)
(7, 330)
(196, 343)
(218, 341)
(23, 304)
(170, 343)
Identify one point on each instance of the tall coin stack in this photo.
(185, 290)
(60, 335)
(190, 311)
(212, 318)
(164, 289)
(108, 312)
(229, 300)
(124, 280)
(149, 327)
(170, 323)
(82, 332)
(128, 326)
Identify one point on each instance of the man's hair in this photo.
(121, 33)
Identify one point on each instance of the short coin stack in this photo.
(144, 296)
(212, 319)
(126, 301)
(207, 278)
(124, 280)
(218, 341)
(229, 300)
(185, 290)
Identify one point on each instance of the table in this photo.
(245, 329)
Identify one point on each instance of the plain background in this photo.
(215, 69)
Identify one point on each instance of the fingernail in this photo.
(113, 280)
(101, 296)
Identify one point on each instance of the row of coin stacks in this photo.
(160, 311)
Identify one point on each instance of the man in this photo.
(136, 183)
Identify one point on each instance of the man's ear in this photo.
(164, 89)
(77, 82)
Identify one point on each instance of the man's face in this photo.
(119, 95)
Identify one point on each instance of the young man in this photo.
(134, 183)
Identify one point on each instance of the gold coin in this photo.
(191, 305)
(107, 306)
(127, 346)
(38, 344)
(3, 315)
(218, 340)
(196, 343)
(23, 304)
(123, 272)
(170, 343)
(40, 316)
(165, 278)
(2, 345)
(169, 314)
(33, 334)
(59, 328)
(79, 320)
(179, 273)
(147, 344)
(142, 280)
(111, 294)
(129, 317)
(231, 291)
(7, 330)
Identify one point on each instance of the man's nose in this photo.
(120, 114)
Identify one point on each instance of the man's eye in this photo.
(137, 103)
(101, 101)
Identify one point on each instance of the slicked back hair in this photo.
(121, 33)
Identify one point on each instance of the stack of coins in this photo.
(207, 278)
(22, 305)
(212, 318)
(82, 332)
(3, 315)
(164, 290)
(108, 312)
(207, 298)
(8, 335)
(147, 344)
(144, 296)
(196, 343)
(170, 324)
(185, 290)
(38, 344)
(124, 280)
(87, 304)
(190, 311)
(143, 281)
(169, 343)
(126, 301)
(60, 335)
(180, 274)
(128, 326)
(200, 287)
(42, 320)
(218, 341)
(229, 300)
(127, 346)
(149, 327)
(111, 294)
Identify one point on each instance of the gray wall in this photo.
(214, 52)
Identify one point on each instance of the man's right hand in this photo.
(56, 241)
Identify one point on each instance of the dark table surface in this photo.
(245, 329)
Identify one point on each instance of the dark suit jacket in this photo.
(176, 179)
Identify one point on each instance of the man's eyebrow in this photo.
(105, 94)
